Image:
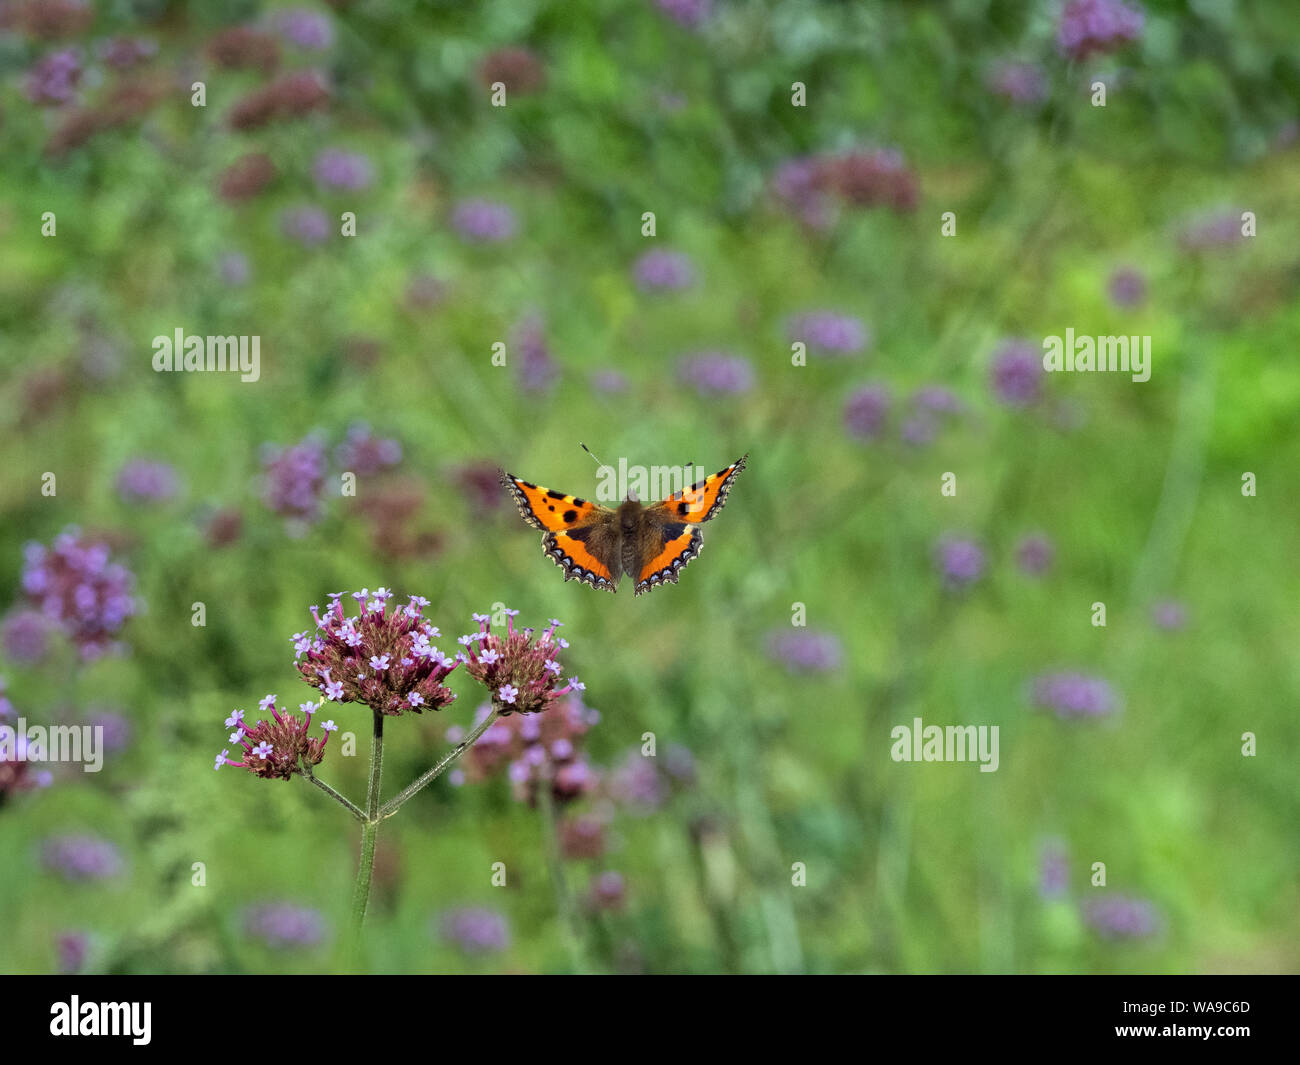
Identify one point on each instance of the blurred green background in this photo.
(773, 223)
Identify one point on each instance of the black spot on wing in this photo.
(570, 516)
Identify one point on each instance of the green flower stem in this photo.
(394, 804)
(555, 866)
(343, 800)
(369, 831)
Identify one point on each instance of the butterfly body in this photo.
(598, 545)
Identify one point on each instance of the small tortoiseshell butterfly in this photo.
(598, 545)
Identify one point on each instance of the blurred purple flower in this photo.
(608, 891)
(484, 222)
(82, 857)
(800, 185)
(76, 586)
(1117, 917)
(663, 270)
(294, 479)
(1034, 554)
(866, 411)
(1094, 27)
(960, 560)
(1170, 615)
(284, 925)
(123, 52)
(1016, 374)
(147, 481)
(307, 225)
(609, 382)
(72, 950)
(1053, 870)
(1127, 288)
(305, 29)
(1074, 695)
(475, 930)
(117, 729)
(1021, 83)
(536, 369)
(716, 373)
(343, 171)
(424, 292)
(918, 430)
(635, 783)
(53, 78)
(25, 636)
(805, 650)
(935, 399)
(1212, 231)
(365, 454)
(233, 269)
(689, 13)
(830, 332)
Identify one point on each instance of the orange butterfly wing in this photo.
(678, 518)
(545, 509)
(568, 522)
(704, 499)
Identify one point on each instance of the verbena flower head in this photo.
(960, 560)
(536, 367)
(1170, 615)
(274, 749)
(294, 479)
(1127, 287)
(147, 481)
(521, 672)
(305, 29)
(530, 749)
(716, 373)
(805, 650)
(72, 949)
(1053, 870)
(16, 773)
(53, 79)
(81, 857)
(1095, 27)
(284, 925)
(866, 411)
(1034, 554)
(519, 69)
(25, 637)
(475, 930)
(661, 270)
(364, 453)
(1016, 374)
(608, 891)
(335, 169)
(1118, 917)
(76, 586)
(306, 224)
(829, 332)
(383, 657)
(1021, 83)
(484, 222)
(1074, 695)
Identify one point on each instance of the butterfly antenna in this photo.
(590, 452)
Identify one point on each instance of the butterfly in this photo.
(597, 545)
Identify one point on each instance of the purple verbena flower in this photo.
(960, 561)
(147, 481)
(338, 659)
(342, 171)
(53, 79)
(866, 411)
(76, 586)
(284, 925)
(483, 221)
(275, 749)
(294, 479)
(716, 373)
(81, 857)
(1127, 288)
(515, 670)
(802, 650)
(364, 453)
(1034, 554)
(1095, 27)
(475, 930)
(307, 225)
(1016, 374)
(660, 270)
(305, 29)
(25, 636)
(829, 332)
(1074, 695)
(1119, 917)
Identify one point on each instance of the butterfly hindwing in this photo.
(666, 549)
(549, 510)
(583, 553)
(702, 500)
